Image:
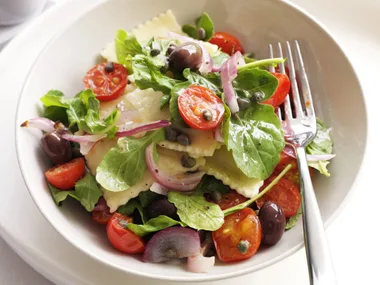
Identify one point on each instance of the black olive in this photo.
(183, 139)
(273, 222)
(170, 49)
(243, 103)
(155, 52)
(201, 34)
(56, 148)
(186, 55)
(188, 161)
(258, 96)
(243, 246)
(207, 115)
(162, 206)
(171, 134)
(109, 67)
(216, 196)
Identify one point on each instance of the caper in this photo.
(258, 96)
(188, 161)
(216, 196)
(207, 115)
(243, 246)
(183, 139)
(155, 52)
(171, 134)
(201, 34)
(243, 103)
(109, 67)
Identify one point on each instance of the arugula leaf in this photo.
(147, 74)
(88, 192)
(53, 98)
(59, 195)
(126, 45)
(132, 206)
(124, 164)
(256, 140)
(56, 114)
(205, 22)
(322, 144)
(210, 183)
(250, 80)
(147, 197)
(173, 103)
(154, 225)
(196, 212)
(292, 221)
(162, 45)
(54, 107)
(197, 79)
(190, 30)
(165, 99)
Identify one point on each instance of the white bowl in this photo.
(336, 91)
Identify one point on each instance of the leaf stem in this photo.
(262, 62)
(258, 196)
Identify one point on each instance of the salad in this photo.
(174, 145)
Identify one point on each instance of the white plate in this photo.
(50, 254)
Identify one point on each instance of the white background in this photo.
(352, 235)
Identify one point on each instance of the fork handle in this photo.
(321, 270)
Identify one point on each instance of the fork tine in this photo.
(292, 77)
(287, 106)
(271, 69)
(304, 82)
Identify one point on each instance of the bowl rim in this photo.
(196, 278)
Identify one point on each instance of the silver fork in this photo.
(300, 128)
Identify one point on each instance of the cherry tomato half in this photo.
(103, 215)
(200, 108)
(121, 238)
(285, 159)
(107, 85)
(240, 236)
(64, 176)
(230, 199)
(285, 194)
(282, 90)
(227, 42)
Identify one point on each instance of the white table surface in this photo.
(352, 235)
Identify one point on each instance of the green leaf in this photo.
(205, 22)
(154, 225)
(165, 99)
(147, 197)
(76, 111)
(197, 79)
(126, 45)
(321, 144)
(251, 80)
(124, 164)
(147, 74)
(256, 140)
(219, 58)
(132, 206)
(54, 98)
(56, 114)
(210, 183)
(88, 192)
(292, 221)
(173, 104)
(60, 195)
(225, 128)
(190, 30)
(196, 212)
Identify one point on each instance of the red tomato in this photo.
(194, 102)
(240, 226)
(285, 194)
(101, 216)
(231, 199)
(106, 85)
(282, 90)
(64, 176)
(121, 238)
(285, 159)
(227, 43)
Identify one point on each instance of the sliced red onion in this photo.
(43, 124)
(228, 73)
(86, 142)
(318, 157)
(101, 206)
(218, 135)
(143, 128)
(186, 182)
(159, 189)
(207, 64)
(289, 150)
(172, 243)
(200, 263)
